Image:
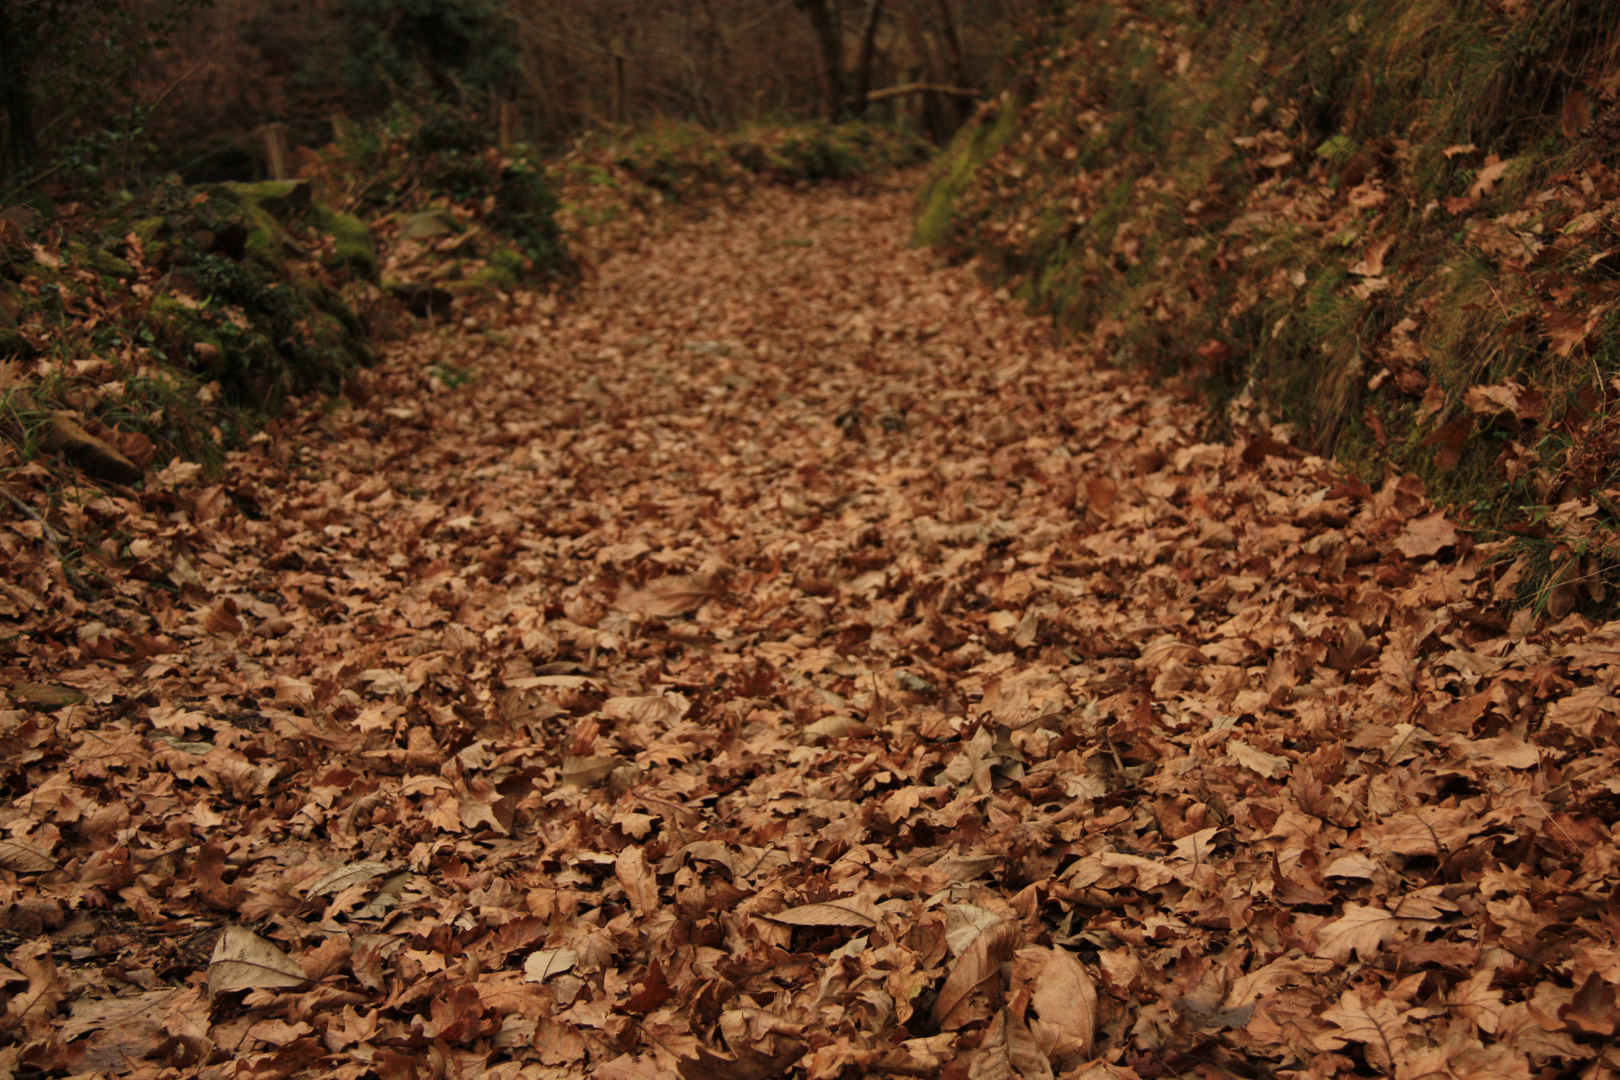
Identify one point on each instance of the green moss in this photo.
(956, 168)
(276, 196)
(101, 262)
(503, 270)
(1182, 174)
(354, 250)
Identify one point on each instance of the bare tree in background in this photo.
(16, 112)
(825, 21)
(725, 62)
(575, 65)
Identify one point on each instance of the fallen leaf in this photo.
(244, 961)
(979, 964)
(1065, 1000)
(678, 594)
(855, 912)
(1426, 536)
(542, 964)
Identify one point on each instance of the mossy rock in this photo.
(276, 196)
(356, 251)
(428, 224)
(102, 262)
(333, 305)
(266, 237)
(503, 270)
(148, 229)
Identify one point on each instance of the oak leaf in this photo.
(1426, 536)
(1362, 929)
(32, 1009)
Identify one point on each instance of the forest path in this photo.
(751, 655)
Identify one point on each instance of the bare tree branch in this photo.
(923, 88)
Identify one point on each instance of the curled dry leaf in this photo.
(979, 964)
(342, 877)
(1009, 1052)
(679, 594)
(24, 858)
(542, 964)
(1065, 1000)
(839, 726)
(244, 961)
(856, 912)
(1426, 536)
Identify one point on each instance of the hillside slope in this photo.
(1388, 223)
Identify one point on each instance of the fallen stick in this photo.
(921, 88)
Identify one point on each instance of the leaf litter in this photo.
(895, 691)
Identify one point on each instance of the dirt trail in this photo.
(786, 652)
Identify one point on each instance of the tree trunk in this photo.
(953, 42)
(957, 107)
(16, 112)
(863, 60)
(830, 40)
(618, 86)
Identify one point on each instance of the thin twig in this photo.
(52, 537)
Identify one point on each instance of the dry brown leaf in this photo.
(745, 1064)
(840, 726)
(856, 911)
(639, 881)
(678, 594)
(585, 771)
(46, 696)
(1009, 1052)
(343, 877)
(1426, 536)
(1065, 1000)
(1267, 765)
(24, 858)
(978, 965)
(1362, 929)
(1378, 1024)
(31, 1010)
(244, 961)
(542, 964)
(664, 709)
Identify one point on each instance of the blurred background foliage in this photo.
(143, 88)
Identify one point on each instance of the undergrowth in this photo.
(1387, 223)
(140, 327)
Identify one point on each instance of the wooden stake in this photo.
(511, 125)
(275, 150)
